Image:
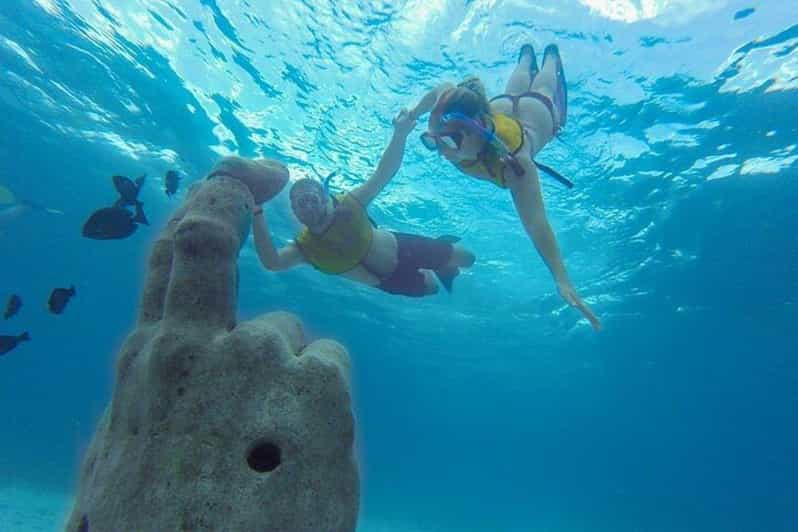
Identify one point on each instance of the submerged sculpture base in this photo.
(215, 425)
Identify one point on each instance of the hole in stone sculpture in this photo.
(264, 457)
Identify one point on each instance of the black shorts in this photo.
(415, 253)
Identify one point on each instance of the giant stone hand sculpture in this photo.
(213, 425)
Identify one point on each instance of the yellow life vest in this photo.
(511, 133)
(345, 242)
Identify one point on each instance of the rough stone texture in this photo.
(264, 177)
(197, 398)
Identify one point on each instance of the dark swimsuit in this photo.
(415, 253)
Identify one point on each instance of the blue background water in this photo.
(494, 408)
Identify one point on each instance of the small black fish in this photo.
(128, 190)
(129, 194)
(7, 343)
(172, 180)
(13, 306)
(59, 297)
(113, 223)
(744, 13)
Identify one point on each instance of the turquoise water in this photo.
(495, 408)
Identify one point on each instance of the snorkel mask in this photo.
(432, 138)
(454, 139)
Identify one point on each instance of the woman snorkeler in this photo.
(497, 140)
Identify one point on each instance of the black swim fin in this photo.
(446, 276)
(567, 183)
(561, 90)
(533, 66)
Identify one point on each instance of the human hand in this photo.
(572, 298)
(403, 123)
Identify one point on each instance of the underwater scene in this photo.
(413, 266)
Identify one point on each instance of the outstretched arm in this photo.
(429, 100)
(529, 205)
(271, 258)
(389, 163)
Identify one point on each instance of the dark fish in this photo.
(172, 180)
(59, 297)
(128, 190)
(112, 223)
(129, 194)
(13, 306)
(744, 13)
(7, 343)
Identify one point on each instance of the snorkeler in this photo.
(338, 237)
(496, 140)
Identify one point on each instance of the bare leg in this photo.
(430, 285)
(522, 77)
(461, 258)
(551, 82)
(546, 81)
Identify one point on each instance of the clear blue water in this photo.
(495, 408)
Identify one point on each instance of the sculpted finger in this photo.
(207, 239)
(265, 178)
(160, 267)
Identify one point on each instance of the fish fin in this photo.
(24, 337)
(140, 217)
(446, 276)
(451, 239)
(72, 291)
(140, 183)
(6, 196)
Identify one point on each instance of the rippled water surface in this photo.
(494, 408)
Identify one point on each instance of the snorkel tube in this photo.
(567, 183)
(326, 184)
(326, 181)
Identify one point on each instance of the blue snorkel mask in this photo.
(453, 140)
(490, 138)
